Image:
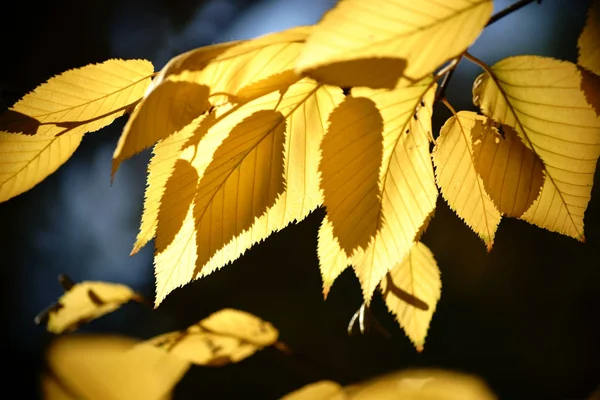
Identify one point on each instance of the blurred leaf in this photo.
(322, 390)
(542, 100)
(227, 336)
(458, 180)
(80, 100)
(588, 43)
(418, 275)
(84, 302)
(374, 43)
(98, 367)
(28, 160)
(512, 174)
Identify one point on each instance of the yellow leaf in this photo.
(171, 106)
(374, 43)
(28, 160)
(305, 106)
(406, 179)
(321, 390)
(256, 67)
(590, 86)
(512, 174)
(541, 99)
(589, 46)
(86, 301)
(80, 100)
(458, 180)
(332, 259)
(99, 367)
(352, 152)
(227, 336)
(418, 275)
(160, 169)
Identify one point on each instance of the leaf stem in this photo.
(477, 61)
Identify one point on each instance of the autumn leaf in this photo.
(28, 160)
(376, 43)
(352, 152)
(457, 177)
(321, 390)
(109, 367)
(541, 99)
(418, 275)
(589, 47)
(332, 258)
(197, 250)
(83, 302)
(512, 174)
(227, 336)
(80, 100)
(170, 107)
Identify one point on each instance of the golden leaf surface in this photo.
(321, 390)
(332, 258)
(406, 180)
(458, 180)
(171, 106)
(588, 43)
(103, 367)
(351, 155)
(541, 99)
(418, 275)
(227, 336)
(305, 107)
(28, 160)
(80, 100)
(86, 301)
(512, 174)
(374, 43)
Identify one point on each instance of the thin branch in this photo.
(510, 9)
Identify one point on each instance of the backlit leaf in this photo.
(305, 106)
(321, 390)
(406, 180)
(512, 174)
(28, 160)
(588, 43)
(171, 106)
(374, 43)
(100, 367)
(224, 337)
(458, 180)
(541, 99)
(86, 301)
(418, 275)
(80, 100)
(351, 157)
(332, 258)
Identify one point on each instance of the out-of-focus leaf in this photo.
(28, 160)
(588, 43)
(80, 100)
(541, 99)
(227, 336)
(512, 174)
(374, 43)
(322, 390)
(418, 275)
(457, 177)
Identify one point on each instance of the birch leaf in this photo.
(352, 152)
(418, 275)
(86, 301)
(512, 174)
(458, 180)
(227, 336)
(80, 100)
(305, 107)
(588, 44)
(332, 258)
(28, 160)
(171, 106)
(406, 179)
(541, 99)
(375, 43)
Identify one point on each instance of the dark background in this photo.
(523, 317)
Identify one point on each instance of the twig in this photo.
(509, 10)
